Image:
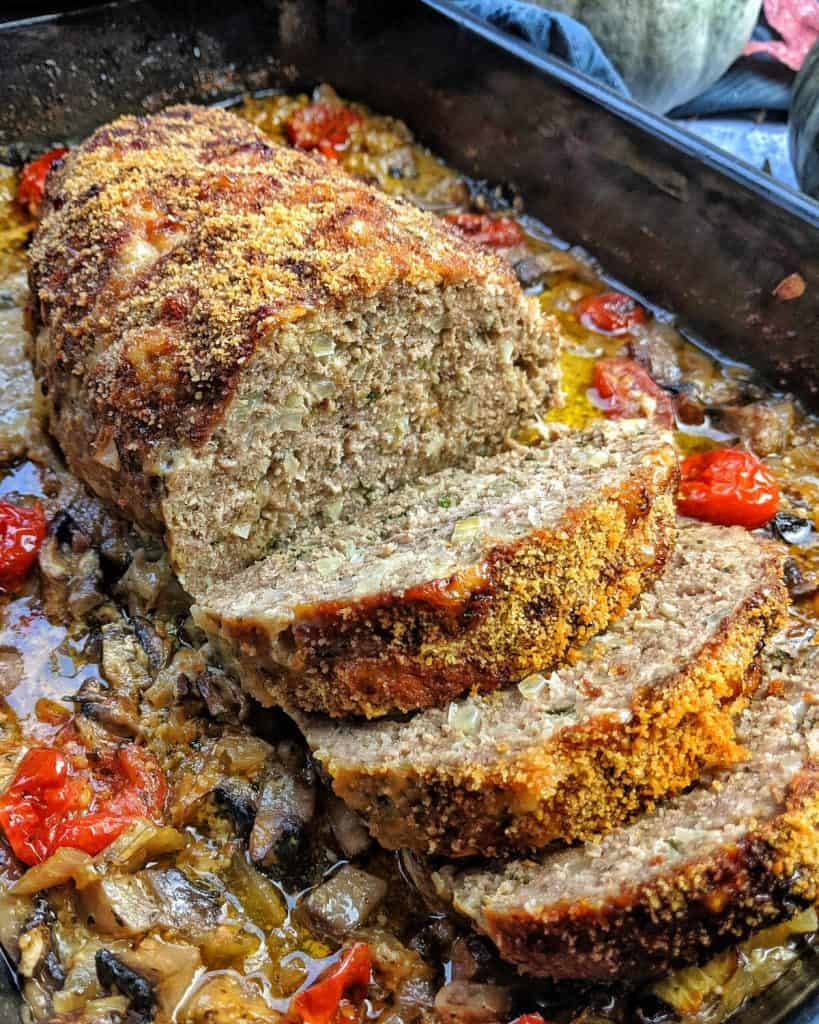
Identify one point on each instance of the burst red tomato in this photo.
(347, 980)
(22, 531)
(729, 487)
(528, 1018)
(51, 803)
(610, 313)
(32, 180)
(323, 126)
(498, 232)
(627, 391)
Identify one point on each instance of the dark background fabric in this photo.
(556, 34)
(753, 83)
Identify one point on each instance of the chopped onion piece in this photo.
(464, 718)
(532, 685)
(466, 529)
(323, 346)
(59, 868)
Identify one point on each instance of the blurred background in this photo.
(743, 74)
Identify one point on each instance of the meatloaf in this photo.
(739, 852)
(463, 581)
(574, 753)
(236, 337)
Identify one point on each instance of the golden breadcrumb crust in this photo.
(528, 606)
(681, 917)
(609, 770)
(170, 248)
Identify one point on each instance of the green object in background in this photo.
(667, 51)
(803, 124)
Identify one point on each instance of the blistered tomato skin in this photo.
(32, 180)
(322, 126)
(52, 804)
(627, 391)
(495, 232)
(22, 531)
(728, 487)
(610, 313)
(346, 981)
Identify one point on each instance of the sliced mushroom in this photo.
(184, 905)
(239, 798)
(466, 1002)
(157, 650)
(71, 580)
(471, 958)
(170, 968)
(287, 805)
(350, 831)
(656, 352)
(122, 906)
(345, 902)
(790, 528)
(223, 697)
(114, 974)
(38, 959)
(125, 906)
(149, 585)
(118, 712)
(799, 583)
(124, 662)
(764, 427)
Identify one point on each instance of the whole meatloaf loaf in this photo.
(737, 853)
(235, 337)
(574, 753)
(467, 580)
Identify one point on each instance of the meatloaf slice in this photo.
(650, 703)
(739, 852)
(236, 337)
(465, 580)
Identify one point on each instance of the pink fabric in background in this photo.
(797, 21)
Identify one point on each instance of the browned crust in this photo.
(683, 916)
(253, 236)
(607, 771)
(526, 607)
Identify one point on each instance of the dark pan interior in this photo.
(662, 211)
(668, 215)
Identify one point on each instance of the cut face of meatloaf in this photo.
(235, 337)
(463, 581)
(574, 753)
(739, 852)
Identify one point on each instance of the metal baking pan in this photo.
(669, 215)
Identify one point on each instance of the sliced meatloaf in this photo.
(463, 581)
(574, 753)
(738, 852)
(236, 337)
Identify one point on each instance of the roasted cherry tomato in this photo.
(22, 531)
(628, 391)
(32, 180)
(323, 126)
(51, 803)
(499, 232)
(729, 487)
(528, 1018)
(610, 313)
(346, 980)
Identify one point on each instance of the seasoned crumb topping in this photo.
(171, 247)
